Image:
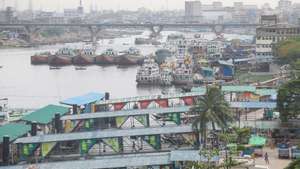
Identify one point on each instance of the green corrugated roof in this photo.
(238, 88)
(13, 130)
(266, 92)
(46, 114)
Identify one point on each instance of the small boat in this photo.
(148, 73)
(111, 41)
(80, 68)
(54, 68)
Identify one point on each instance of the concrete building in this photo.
(193, 11)
(285, 10)
(270, 34)
(8, 15)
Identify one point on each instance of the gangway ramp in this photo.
(133, 112)
(119, 161)
(151, 97)
(107, 133)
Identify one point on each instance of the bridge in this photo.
(155, 28)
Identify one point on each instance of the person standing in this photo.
(266, 156)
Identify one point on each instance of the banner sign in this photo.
(86, 145)
(144, 120)
(120, 121)
(47, 147)
(154, 141)
(28, 149)
(114, 143)
(175, 117)
(88, 123)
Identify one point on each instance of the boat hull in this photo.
(39, 60)
(83, 60)
(104, 60)
(128, 60)
(58, 60)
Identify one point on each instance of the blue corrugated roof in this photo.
(84, 99)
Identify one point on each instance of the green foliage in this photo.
(228, 137)
(243, 134)
(241, 147)
(296, 69)
(211, 108)
(295, 164)
(288, 100)
(288, 51)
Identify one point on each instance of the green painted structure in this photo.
(46, 114)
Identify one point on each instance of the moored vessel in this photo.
(183, 73)
(148, 73)
(130, 57)
(41, 58)
(84, 57)
(166, 77)
(62, 57)
(108, 57)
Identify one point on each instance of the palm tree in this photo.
(211, 108)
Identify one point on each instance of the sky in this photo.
(52, 5)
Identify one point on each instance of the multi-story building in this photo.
(268, 35)
(285, 10)
(192, 11)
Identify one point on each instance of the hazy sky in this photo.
(51, 5)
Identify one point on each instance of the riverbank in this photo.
(66, 37)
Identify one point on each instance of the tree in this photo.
(288, 100)
(288, 51)
(295, 164)
(211, 108)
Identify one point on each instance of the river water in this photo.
(30, 86)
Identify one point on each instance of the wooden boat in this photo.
(80, 68)
(39, 59)
(59, 60)
(83, 60)
(54, 68)
(130, 57)
(108, 57)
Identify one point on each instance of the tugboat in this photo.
(108, 57)
(148, 73)
(183, 73)
(130, 57)
(62, 58)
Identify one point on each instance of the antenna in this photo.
(80, 3)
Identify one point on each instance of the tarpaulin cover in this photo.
(257, 141)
